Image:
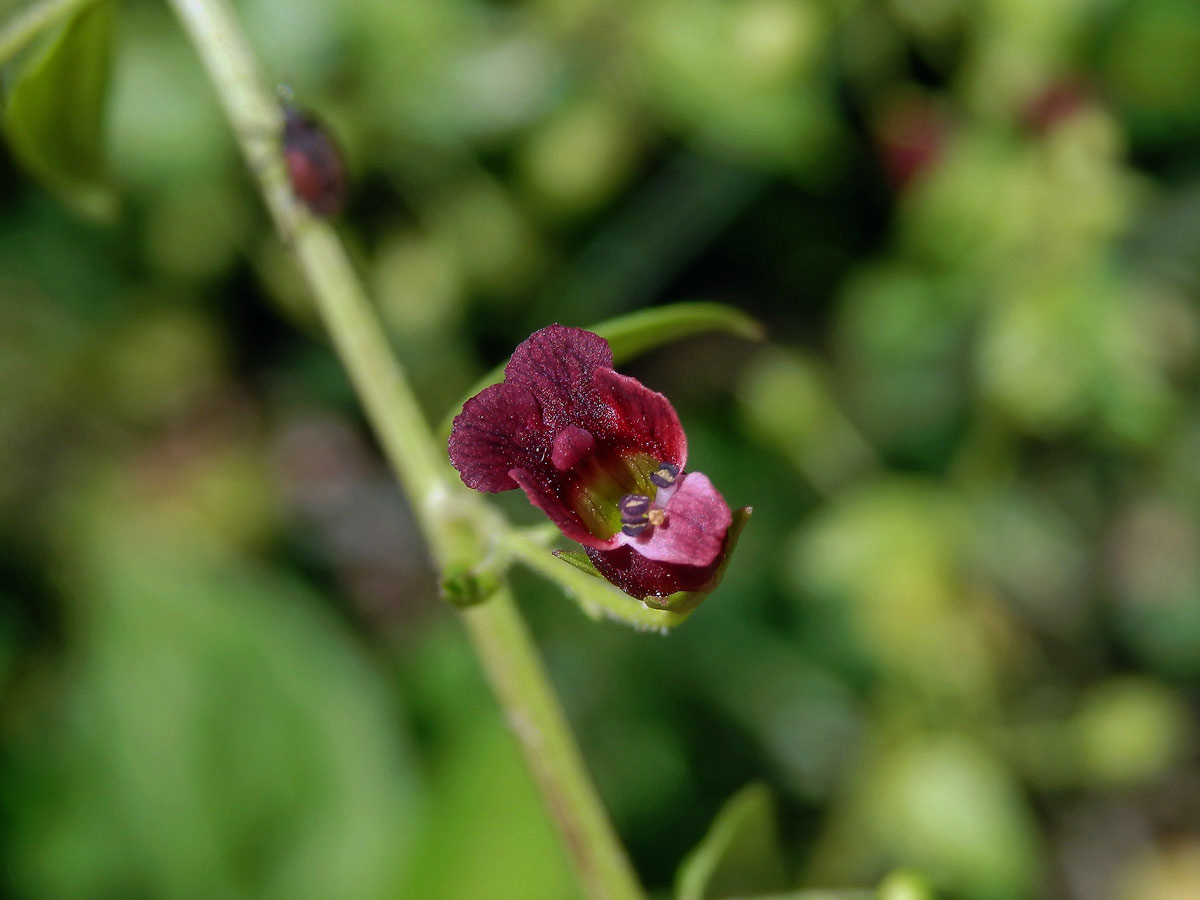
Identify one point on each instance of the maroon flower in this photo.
(600, 454)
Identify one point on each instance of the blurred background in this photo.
(962, 632)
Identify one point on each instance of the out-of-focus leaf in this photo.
(788, 400)
(55, 113)
(227, 737)
(740, 855)
(948, 807)
(1128, 731)
(904, 884)
(645, 330)
(486, 834)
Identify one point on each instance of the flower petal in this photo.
(694, 533)
(640, 417)
(556, 364)
(547, 496)
(499, 429)
(641, 578)
(662, 585)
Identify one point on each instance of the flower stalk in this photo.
(465, 537)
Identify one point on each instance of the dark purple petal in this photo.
(641, 418)
(499, 429)
(640, 577)
(697, 519)
(556, 364)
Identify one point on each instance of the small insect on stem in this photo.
(314, 163)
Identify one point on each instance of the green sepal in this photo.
(595, 596)
(686, 601)
(740, 855)
(645, 330)
(54, 120)
(578, 560)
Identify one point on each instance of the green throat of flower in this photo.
(603, 484)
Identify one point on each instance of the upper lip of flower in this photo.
(577, 436)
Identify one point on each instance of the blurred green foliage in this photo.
(962, 634)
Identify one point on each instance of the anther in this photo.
(635, 514)
(634, 507)
(664, 476)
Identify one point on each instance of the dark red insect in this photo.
(314, 163)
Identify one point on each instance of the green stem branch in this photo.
(254, 111)
(461, 530)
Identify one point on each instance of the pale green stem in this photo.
(535, 717)
(456, 524)
(32, 21)
(254, 111)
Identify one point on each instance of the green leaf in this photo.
(219, 713)
(740, 855)
(55, 115)
(646, 329)
(638, 332)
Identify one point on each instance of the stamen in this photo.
(634, 507)
(635, 514)
(657, 516)
(664, 476)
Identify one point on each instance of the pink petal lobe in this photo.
(694, 533)
(570, 446)
(641, 418)
(547, 497)
(499, 429)
(556, 364)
